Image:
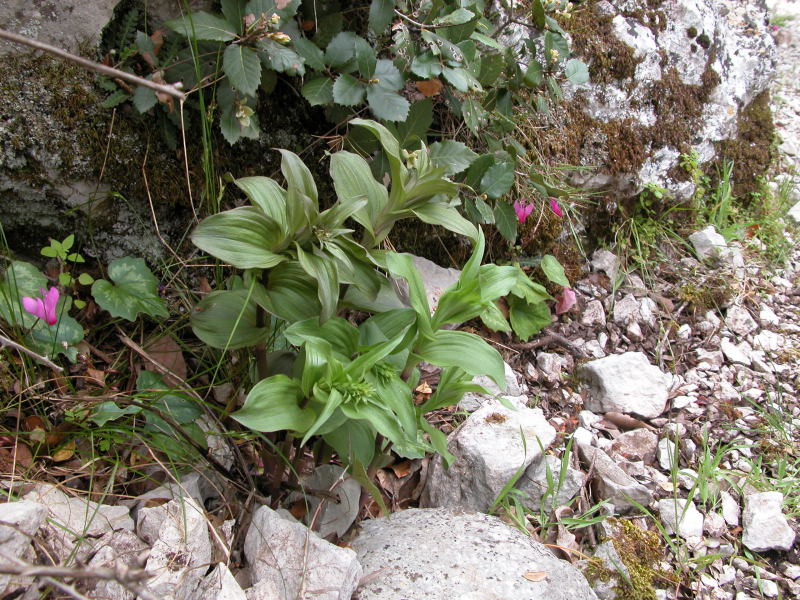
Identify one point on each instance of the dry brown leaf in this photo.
(429, 87)
(535, 575)
(423, 388)
(401, 469)
(166, 352)
(625, 422)
(308, 25)
(96, 376)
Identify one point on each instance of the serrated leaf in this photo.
(284, 8)
(474, 114)
(318, 91)
(342, 49)
(311, 53)
(388, 76)
(426, 65)
(457, 78)
(485, 211)
(491, 67)
(282, 59)
(234, 13)
(243, 68)
(487, 41)
(534, 75)
(144, 98)
(203, 26)
(115, 99)
(538, 13)
(134, 291)
(348, 91)
(386, 105)
(505, 219)
(457, 17)
(453, 156)
(553, 270)
(366, 59)
(381, 13)
(498, 179)
(576, 71)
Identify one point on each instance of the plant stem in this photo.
(261, 348)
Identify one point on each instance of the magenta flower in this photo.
(555, 207)
(44, 307)
(565, 301)
(523, 210)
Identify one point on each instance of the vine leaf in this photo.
(134, 291)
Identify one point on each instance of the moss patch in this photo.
(753, 150)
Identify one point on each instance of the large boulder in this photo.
(667, 78)
(445, 554)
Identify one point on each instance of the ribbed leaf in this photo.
(266, 194)
(243, 68)
(353, 181)
(323, 270)
(274, 405)
(464, 350)
(243, 237)
(227, 320)
(318, 91)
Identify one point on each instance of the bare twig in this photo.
(551, 337)
(4, 341)
(172, 90)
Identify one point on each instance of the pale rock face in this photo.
(765, 526)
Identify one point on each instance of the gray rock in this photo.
(26, 517)
(708, 243)
(739, 321)
(334, 517)
(638, 444)
(709, 359)
(626, 310)
(594, 314)
(294, 558)
(736, 353)
(472, 402)
(534, 483)
(714, 524)
(70, 519)
(765, 526)
(613, 563)
(603, 260)
(550, 366)
(264, 590)
(611, 482)
(489, 449)
(625, 383)
(115, 550)
(221, 585)
(446, 555)
(666, 454)
(181, 548)
(681, 516)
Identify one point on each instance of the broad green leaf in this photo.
(486, 40)
(528, 319)
(402, 265)
(323, 270)
(134, 291)
(54, 340)
(274, 405)
(391, 148)
(282, 8)
(182, 409)
(485, 211)
(266, 194)
(492, 66)
(115, 99)
(298, 177)
(203, 26)
(437, 213)
(231, 126)
(242, 237)
(553, 270)
(144, 99)
(457, 17)
(438, 441)
(494, 319)
(21, 279)
(555, 41)
(474, 114)
(576, 71)
(348, 91)
(387, 105)
(426, 65)
(477, 169)
(458, 79)
(453, 156)
(282, 59)
(318, 91)
(108, 411)
(453, 384)
(337, 333)
(331, 402)
(505, 219)
(290, 294)
(464, 350)
(388, 76)
(234, 12)
(353, 181)
(414, 129)
(243, 68)
(341, 50)
(381, 419)
(538, 13)
(385, 326)
(310, 52)
(381, 13)
(442, 46)
(498, 179)
(227, 320)
(354, 441)
(366, 58)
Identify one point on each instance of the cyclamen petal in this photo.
(555, 207)
(565, 301)
(43, 308)
(522, 210)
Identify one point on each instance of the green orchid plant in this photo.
(351, 386)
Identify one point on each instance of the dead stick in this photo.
(4, 341)
(172, 90)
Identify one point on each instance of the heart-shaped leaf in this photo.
(134, 291)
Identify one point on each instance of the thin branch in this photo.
(172, 90)
(4, 341)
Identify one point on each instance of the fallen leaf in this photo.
(167, 353)
(625, 422)
(667, 486)
(535, 575)
(429, 87)
(96, 376)
(401, 469)
(64, 453)
(423, 388)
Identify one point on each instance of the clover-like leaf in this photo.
(134, 291)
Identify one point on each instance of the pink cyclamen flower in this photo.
(44, 307)
(523, 210)
(565, 301)
(555, 207)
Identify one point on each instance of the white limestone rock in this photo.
(594, 314)
(739, 321)
(625, 383)
(26, 517)
(535, 485)
(681, 516)
(489, 447)
(765, 526)
(444, 554)
(292, 557)
(611, 482)
(471, 402)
